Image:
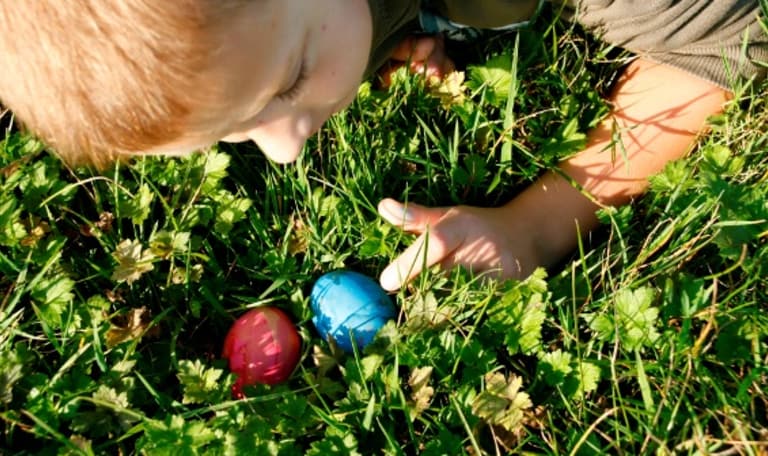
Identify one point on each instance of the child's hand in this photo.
(424, 55)
(483, 239)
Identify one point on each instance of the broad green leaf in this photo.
(567, 139)
(132, 261)
(502, 402)
(215, 169)
(637, 318)
(252, 434)
(633, 319)
(370, 365)
(676, 174)
(201, 384)
(165, 244)
(555, 366)
(336, 441)
(136, 207)
(720, 160)
(325, 361)
(107, 414)
(43, 184)
(229, 211)
(422, 312)
(519, 314)
(585, 378)
(175, 437)
(53, 296)
(495, 76)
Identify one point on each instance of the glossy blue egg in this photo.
(350, 308)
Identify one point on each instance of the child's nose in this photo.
(282, 139)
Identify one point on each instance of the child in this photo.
(97, 79)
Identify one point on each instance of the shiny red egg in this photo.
(262, 347)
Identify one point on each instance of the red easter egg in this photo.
(262, 347)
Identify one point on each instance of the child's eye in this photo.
(294, 90)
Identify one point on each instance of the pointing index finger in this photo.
(430, 248)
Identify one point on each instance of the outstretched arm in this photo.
(657, 111)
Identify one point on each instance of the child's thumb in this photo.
(411, 217)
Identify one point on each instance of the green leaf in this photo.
(583, 379)
(108, 414)
(575, 378)
(11, 229)
(520, 313)
(201, 384)
(502, 402)
(620, 217)
(229, 211)
(132, 261)
(249, 434)
(44, 182)
(495, 76)
(743, 215)
(10, 373)
(175, 437)
(555, 366)
(136, 207)
(633, 319)
(736, 339)
(601, 325)
(423, 312)
(370, 365)
(676, 174)
(720, 160)
(53, 296)
(336, 441)
(215, 169)
(165, 244)
(566, 140)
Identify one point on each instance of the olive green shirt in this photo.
(721, 41)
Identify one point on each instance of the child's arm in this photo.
(658, 110)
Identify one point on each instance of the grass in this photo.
(116, 289)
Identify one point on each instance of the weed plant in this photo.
(117, 288)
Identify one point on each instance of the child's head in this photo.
(96, 78)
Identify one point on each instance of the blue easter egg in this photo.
(349, 307)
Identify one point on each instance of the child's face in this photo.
(284, 67)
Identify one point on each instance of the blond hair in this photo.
(98, 78)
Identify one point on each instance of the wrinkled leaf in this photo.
(421, 392)
(502, 402)
(132, 261)
(129, 327)
(53, 296)
(201, 384)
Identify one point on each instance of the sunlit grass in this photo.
(116, 289)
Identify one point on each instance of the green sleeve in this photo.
(722, 41)
(392, 21)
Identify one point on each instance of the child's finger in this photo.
(438, 65)
(411, 217)
(432, 247)
(414, 48)
(403, 50)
